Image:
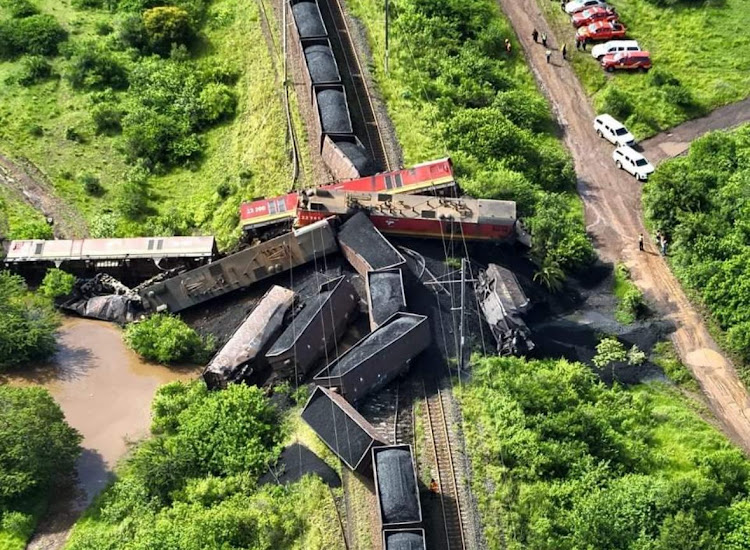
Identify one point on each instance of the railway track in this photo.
(436, 407)
(362, 103)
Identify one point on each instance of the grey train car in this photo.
(404, 539)
(241, 269)
(342, 428)
(385, 295)
(364, 247)
(314, 330)
(346, 157)
(396, 489)
(237, 360)
(130, 260)
(377, 358)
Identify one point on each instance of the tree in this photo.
(37, 446)
(57, 283)
(167, 339)
(167, 26)
(608, 352)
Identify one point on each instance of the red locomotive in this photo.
(261, 214)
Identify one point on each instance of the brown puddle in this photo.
(105, 391)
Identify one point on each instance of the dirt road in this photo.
(613, 217)
(29, 183)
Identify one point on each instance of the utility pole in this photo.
(387, 22)
(462, 327)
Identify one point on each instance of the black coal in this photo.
(386, 295)
(399, 498)
(321, 63)
(359, 234)
(334, 114)
(307, 17)
(404, 541)
(359, 157)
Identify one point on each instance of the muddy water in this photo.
(105, 391)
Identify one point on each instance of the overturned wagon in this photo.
(396, 487)
(244, 351)
(240, 270)
(404, 539)
(385, 295)
(378, 358)
(342, 428)
(365, 248)
(315, 330)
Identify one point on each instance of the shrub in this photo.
(37, 35)
(609, 351)
(132, 199)
(90, 4)
(107, 118)
(34, 68)
(132, 33)
(616, 103)
(35, 130)
(165, 27)
(90, 184)
(17, 524)
(37, 446)
(93, 66)
(104, 226)
(57, 283)
(72, 134)
(103, 28)
(217, 103)
(30, 228)
(20, 8)
(167, 339)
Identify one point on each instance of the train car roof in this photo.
(94, 249)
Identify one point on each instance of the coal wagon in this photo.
(404, 539)
(396, 489)
(377, 358)
(365, 248)
(385, 294)
(314, 330)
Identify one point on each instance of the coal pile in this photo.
(308, 20)
(373, 343)
(295, 462)
(359, 157)
(386, 295)
(360, 235)
(397, 487)
(300, 322)
(404, 541)
(334, 114)
(321, 64)
(334, 422)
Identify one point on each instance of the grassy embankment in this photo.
(701, 56)
(560, 461)
(246, 156)
(451, 89)
(630, 304)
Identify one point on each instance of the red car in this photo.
(601, 30)
(590, 15)
(627, 60)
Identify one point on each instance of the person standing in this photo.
(544, 39)
(535, 35)
(564, 51)
(508, 46)
(663, 245)
(640, 242)
(548, 54)
(578, 43)
(562, 5)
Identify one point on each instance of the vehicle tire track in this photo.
(614, 217)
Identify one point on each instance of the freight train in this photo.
(265, 216)
(341, 149)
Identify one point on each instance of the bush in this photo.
(90, 184)
(107, 118)
(20, 8)
(132, 199)
(104, 226)
(57, 283)
(36, 35)
(17, 524)
(167, 26)
(37, 446)
(616, 103)
(103, 28)
(93, 67)
(167, 339)
(34, 68)
(132, 33)
(27, 324)
(30, 228)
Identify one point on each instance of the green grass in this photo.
(630, 304)
(705, 45)
(17, 217)
(665, 357)
(250, 152)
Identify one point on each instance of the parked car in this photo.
(579, 5)
(614, 46)
(627, 60)
(601, 30)
(613, 131)
(597, 13)
(633, 162)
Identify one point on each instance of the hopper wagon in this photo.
(314, 330)
(341, 428)
(241, 269)
(404, 539)
(396, 489)
(385, 294)
(416, 215)
(242, 355)
(365, 248)
(263, 215)
(378, 358)
(132, 259)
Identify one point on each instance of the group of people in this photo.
(548, 53)
(661, 240)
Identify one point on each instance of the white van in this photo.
(615, 46)
(632, 162)
(613, 131)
